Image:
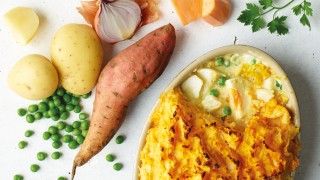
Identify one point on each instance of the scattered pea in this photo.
(46, 114)
(33, 108)
(68, 128)
(56, 155)
(76, 124)
(34, 167)
(75, 100)
(80, 139)
(55, 97)
(110, 157)
(69, 107)
(28, 133)
(76, 132)
(41, 156)
(62, 108)
(227, 110)
(83, 116)
(43, 106)
(60, 91)
(55, 137)
(55, 117)
(17, 177)
(73, 144)
(117, 166)
(84, 133)
(46, 99)
(66, 98)
(46, 135)
(119, 139)
(64, 115)
(86, 96)
(61, 125)
(85, 125)
(56, 144)
(30, 118)
(57, 102)
(53, 129)
(51, 104)
(67, 138)
(38, 115)
(53, 111)
(62, 178)
(22, 144)
(77, 108)
(22, 111)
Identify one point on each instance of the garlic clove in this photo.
(118, 20)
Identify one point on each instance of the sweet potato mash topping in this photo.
(185, 142)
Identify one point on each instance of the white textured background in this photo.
(298, 53)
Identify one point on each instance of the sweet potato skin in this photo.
(121, 80)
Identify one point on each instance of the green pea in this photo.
(46, 135)
(22, 144)
(33, 108)
(68, 128)
(55, 137)
(61, 125)
(53, 111)
(64, 115)
(119, 139)
(46, 100)
(28, 133)
(46, 114)
(51, 104)
(54, 97)
(56, 155)
(60, 91)
(76, 132)
(66, 98)
(30, 118)
(84, 133)
(86, 96)
(53, 129)
(38, 115)
(55, 117)
(77, 108)
(117, 166)
(110, 157)
(85, 125)
(22, 111)
(219, 61)
(17, 177)
(253, 62)
(41, 156)
(227, 110)
(57, 102)
(214, 92)
(43, 106)
(62, 178)
(75, 100)
(80, 139)
(221, 81)
(69, 107)
(76, 124)
(67, 92)
(83, 116)
(56, 144)
(62, 108)
(34, 167)
(73, 144)
(67, 138)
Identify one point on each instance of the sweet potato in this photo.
(122, 79)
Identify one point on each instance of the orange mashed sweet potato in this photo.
(185, 142)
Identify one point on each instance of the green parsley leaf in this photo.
(249, 14)
(265, 3)
(307, 8)
(305, 21)
(258, 24)
(278, 85)
(278, 25)
(297, 9)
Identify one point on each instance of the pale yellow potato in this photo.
(77, 54)
(23, 23)
(33, 77)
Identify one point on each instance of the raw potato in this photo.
(33, 77)
(77, 54)
(216, 12)
(122, 79)
(23, 23)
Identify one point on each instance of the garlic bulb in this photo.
(117, 20)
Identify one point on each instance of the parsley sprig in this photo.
(253, 15)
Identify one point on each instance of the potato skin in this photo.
(77, 54)
(33, 77)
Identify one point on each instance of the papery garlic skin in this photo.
(117, 21)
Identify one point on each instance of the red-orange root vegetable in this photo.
(122, 79)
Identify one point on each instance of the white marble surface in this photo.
(298, 53)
